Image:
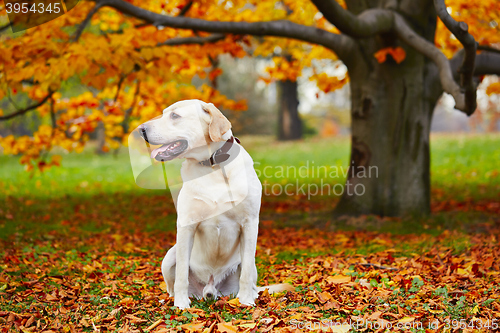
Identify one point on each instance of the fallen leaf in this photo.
(338, 279)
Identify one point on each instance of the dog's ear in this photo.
(218, 123)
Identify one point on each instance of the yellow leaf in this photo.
(338, 279)
(155, 324)
(147, 53)
(235, 302)
(406, 320)
(88, 269)
(227, 328)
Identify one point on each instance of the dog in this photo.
(217, 207)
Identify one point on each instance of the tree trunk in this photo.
(289, 122)
(392, 106)
(100, 139)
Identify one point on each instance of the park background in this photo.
(82, 243)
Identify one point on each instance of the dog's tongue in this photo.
(170, 149)
(159, 150)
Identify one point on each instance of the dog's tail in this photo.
(277, 288)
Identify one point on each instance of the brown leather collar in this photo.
(220, 154)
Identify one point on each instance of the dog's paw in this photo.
(248, 302)
(182, 302)
(247, 298)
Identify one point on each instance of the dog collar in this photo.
(220, 154)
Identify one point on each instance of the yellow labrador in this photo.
(218, 205)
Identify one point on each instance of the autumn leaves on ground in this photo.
(82, 247)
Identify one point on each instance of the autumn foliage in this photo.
(121, 72)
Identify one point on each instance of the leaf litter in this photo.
(110, 280)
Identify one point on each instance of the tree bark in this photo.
(100, 138)
(289, 122)
(392, 106)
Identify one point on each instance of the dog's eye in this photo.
(174, 116)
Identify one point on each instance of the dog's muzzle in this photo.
(167, 151)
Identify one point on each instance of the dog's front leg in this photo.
(184, 245)
(248, 278)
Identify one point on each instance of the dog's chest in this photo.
(219, 231)
(219, 227)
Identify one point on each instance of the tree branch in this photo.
(193, 40)
(487, 63)
(185, 9)
(29, 108)
(183, 12)
(340, 44)
(428, 49)
(82, 26)
(119, 86)
(461, 32)
(128, 112)
(368, 23)
(488, 48)
(53, 113)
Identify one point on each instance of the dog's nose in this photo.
(209, 295)
(142, 131)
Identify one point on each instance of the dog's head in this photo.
(184, 126)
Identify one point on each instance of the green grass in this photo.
(95, 191)
(466, 165)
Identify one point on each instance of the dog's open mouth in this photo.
(169, 151)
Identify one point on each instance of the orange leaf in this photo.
(191, 327)
(493, 88)
(213, 74)
(398, 54)
(227, 328)
(324, 296)
(381, 55)
(338, 279)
